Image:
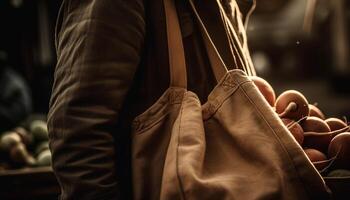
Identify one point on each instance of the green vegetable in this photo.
(42, 147)
(44, 158)
(339, 173)
(39, 130)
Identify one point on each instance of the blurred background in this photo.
(27, 61)
(295, 44)
(304, 45)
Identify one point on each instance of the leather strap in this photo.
(177, 62)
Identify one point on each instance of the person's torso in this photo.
(152, 77)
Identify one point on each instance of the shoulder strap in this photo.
(177, 63)
(243, 58)
(217, 64)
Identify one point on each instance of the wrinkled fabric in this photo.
(112, 65)
(234, 146)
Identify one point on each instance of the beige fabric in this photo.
(177, 61)
(232, 147)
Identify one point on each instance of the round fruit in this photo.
(340, 148)
(315, 155)
(295, 129)
(292, 104)
(39, 130)
(20, 154)
(42, 147)
(315, 124)
(25, 136)
(8, 140)
(321, 165)
(316, 112)
(319, 141)
(265, 88)
(44, 158)
(335, 124)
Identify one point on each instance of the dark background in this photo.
(305, 45)
(27, 37)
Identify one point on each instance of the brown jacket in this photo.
(112, 65)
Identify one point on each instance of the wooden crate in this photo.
(29, 183)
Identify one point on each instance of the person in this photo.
(15, 98)
(112, 65)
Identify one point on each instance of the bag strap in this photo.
(177, 62)
(238, 59)
(244, 60)
(218, 66)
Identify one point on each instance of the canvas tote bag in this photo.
(233, 146)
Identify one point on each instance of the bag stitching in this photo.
(212, 108)
(143, 127)
(177, 151)
(276, 136)
(174, 96)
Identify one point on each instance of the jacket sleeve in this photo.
(99, 44)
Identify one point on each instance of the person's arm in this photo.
(98, 44)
